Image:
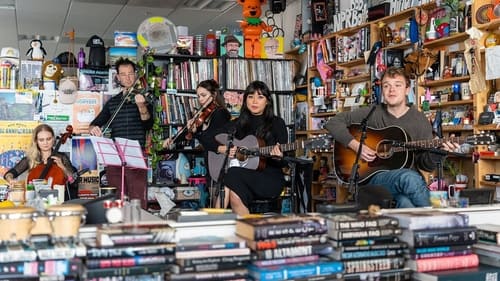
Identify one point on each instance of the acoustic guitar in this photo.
(250, 152)
(393, 149)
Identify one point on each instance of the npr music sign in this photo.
(354, 16)
(401, 5)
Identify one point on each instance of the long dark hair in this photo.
(243, 123)
(213, 87)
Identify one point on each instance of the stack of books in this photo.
(40, 256)
(288, 248)
(488, 244)
(437, 240)
(368, 246)
(142, 251)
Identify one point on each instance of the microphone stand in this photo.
(354, 179)
(223, 172)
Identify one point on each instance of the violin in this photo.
(45, 171)
(199, 118)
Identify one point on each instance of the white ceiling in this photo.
(52, 19)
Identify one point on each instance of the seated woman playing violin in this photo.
(212, 116)
(38, 155)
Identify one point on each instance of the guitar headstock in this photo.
(481, 139)
(320, 143)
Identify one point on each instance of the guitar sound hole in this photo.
(384, 150)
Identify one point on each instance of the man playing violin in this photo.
(37, 156)
(131, 121)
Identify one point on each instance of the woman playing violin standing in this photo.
(40, 151)
(213, 116)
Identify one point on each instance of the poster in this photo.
(17, 105)
(83, 157)
(15, 139)
(85, 109)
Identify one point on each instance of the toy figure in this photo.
(52, 71)
(252, 26)
(36, 52)
(385, 34)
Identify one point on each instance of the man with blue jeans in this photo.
(406, 185)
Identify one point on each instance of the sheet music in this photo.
(111, 153)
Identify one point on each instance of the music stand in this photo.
(122, 152)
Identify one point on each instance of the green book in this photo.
(480, 273)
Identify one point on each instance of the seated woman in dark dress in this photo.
(256, 118)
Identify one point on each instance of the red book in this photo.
(433, 264)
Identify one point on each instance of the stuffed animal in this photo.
(36, 52)
(52, 71)
(252, 26)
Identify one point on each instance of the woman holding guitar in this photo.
(40, 153)
(404, 183)
(256, 118)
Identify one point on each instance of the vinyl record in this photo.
(157, 33)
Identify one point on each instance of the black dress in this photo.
(266, 183)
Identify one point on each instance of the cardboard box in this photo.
(186, 193)
(125, 39)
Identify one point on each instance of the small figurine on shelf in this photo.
(252, 26)
(36, 52)
(385, 33)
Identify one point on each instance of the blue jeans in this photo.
(407, 187)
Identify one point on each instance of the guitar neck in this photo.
(436, 142)
(266, 150)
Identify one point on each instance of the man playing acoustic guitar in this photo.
(406, 185)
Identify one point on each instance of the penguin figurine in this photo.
(36, 52)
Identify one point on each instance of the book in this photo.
(128, 261)
(210, 242)
(294, 251)
(108, 236)
(480, 273)
(284, 272)
(356, 221)
(38, 268)
(212, 253)
(233, 274)
(356, 255)
(442, 251)
(488, 233)
(433, 264)
(94, 252)
(364, 242)
(284, 261)
(286, 242)
(17, 252)
(329, 277)
(210, 260)
(439, 236)
(489, 260)
(219, 228)
(363, 233)
(383, 275)
(280, 226)
(430, 219)
(124, 271)
(177, 269)
(370, 265)
(487, 247)
(388, 246)
(210, 214)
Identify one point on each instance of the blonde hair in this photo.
(33, 154)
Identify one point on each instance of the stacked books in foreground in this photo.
(288, 248)
(368, 246)
(488, 244)
(437, 241)
(129, 252)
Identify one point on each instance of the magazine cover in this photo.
(85, 109)
(83, 156)
(234, 100)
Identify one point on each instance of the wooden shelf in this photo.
(400, 46)
(489, 183)
(301, 132)
(351, 63)
(354, 79)
(443, 82)
(318, 132)
(489, 157)
(324, 114)
(446, 41)
(397, 17)
(457, 128)
(450, 103)
(490, 127)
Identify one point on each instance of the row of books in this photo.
(189, 73)
(177, 109)
(277, 74)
